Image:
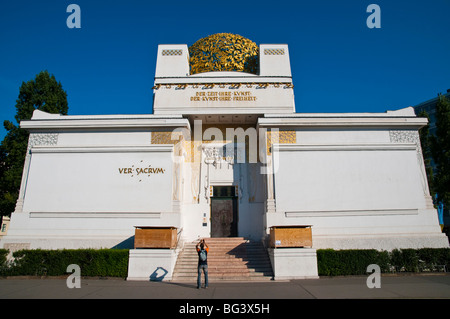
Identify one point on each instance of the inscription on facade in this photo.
(223, 96)
(141, 171)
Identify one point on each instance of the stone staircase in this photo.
(233, 258)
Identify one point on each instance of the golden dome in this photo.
(223, 52)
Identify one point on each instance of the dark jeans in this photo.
(199, 277)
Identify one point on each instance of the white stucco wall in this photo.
(348, 178)
(99, 180)
(357, 188)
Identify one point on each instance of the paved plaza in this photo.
(355, 287)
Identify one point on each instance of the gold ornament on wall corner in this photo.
(224, 52)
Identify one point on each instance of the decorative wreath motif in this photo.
(224, 52)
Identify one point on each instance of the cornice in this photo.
(104, 122)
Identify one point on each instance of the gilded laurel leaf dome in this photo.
(223, 52)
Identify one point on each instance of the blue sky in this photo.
(338, 63)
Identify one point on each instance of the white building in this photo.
(357, 179)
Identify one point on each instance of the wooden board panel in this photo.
(155, 238)
(290, 237)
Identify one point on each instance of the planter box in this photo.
(155, 237)
(290, 236)
(294, 263)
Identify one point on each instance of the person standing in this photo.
(202, 251)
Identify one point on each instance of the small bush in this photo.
(3, 254)
(349, 262)
(93, 262)
(430, 259)
(355, 261)
(405, 260)
(114, 262)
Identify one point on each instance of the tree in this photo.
(43, 93)
(441, 151)
(425, 141)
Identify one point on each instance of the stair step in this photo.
(228, 259)
(223, 278)
(215, 274)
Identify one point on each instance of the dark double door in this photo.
(224, 212)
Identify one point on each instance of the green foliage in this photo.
(428, 258)
(92, 262)
(350, 262)
(3, 254)
(441, 151)
(355, 261)
(114, 262)
(43, 93)
(426, 143)
(405, 260)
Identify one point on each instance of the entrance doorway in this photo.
(224, 215)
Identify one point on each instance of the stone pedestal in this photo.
(151, 264)
(294, 263)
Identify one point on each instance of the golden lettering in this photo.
(223, 96)
(125, 170)
(246, 93)
(142, 170)
(244, 98)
